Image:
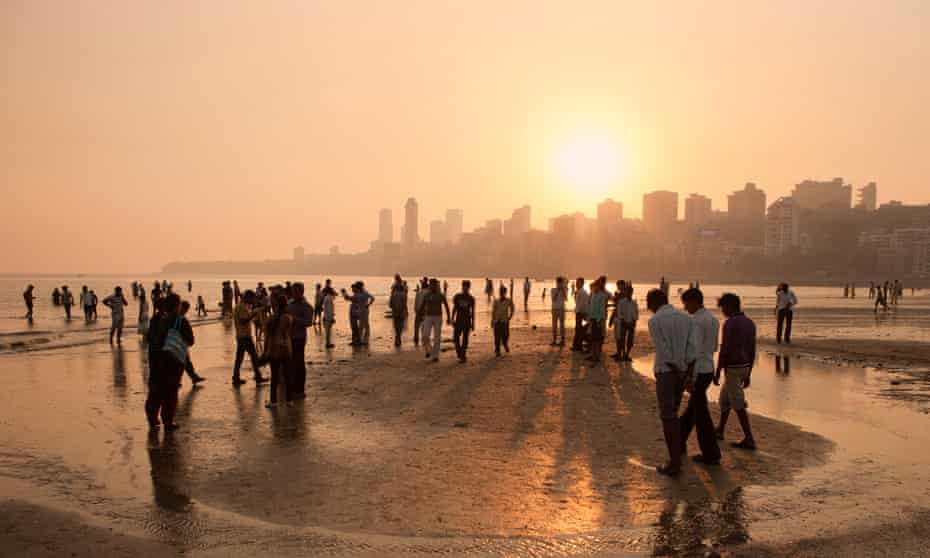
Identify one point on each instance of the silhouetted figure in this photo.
(398, 305)
(785, 301)
(359, 302)
(56, 297)
(227, 294)
(737, 356)
(501, 313)
(301, 314)
(190, 285)
(67, 300)
(328, 299)
(463, 320)
(558, 298)
(278, 350)
(201, 307)
(433, 304)
(445, 288)
(189, 364)
(243, 317)
(581, 315)
(318, 304)
(93, 305)
(86, 303)
(671, 335)
(489, 288)
(597, 317)
(143, 324)
(418, 310)
(527, 288)
(29, 299)
(117, 303)
(626, 315)
(705, 333)
(170, 336)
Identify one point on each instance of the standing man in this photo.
(527, 287)
(597, 314)
(697, 414)
(398, 304)
(302, 317)
(581, 315)
(626, 316)
(317, 304)
(86, 303)
(463, 319)
(67, 300)
(737, 355)
(29, 298)
(228, 301)
(418, 310)
(433, 303)
(243, 317)
(116, 302)
(785, 301)
(329, 314)
(559, 295)
(671, 333)
(501, 314)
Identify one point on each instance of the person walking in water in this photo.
(327, 301)
(29, 298)
(527, 288)
(398, 305)
(558, 298)
(581, 315)
(243, 317)
(301, 318)
(86, 303)
(736, 359)
(56, 297)
(597, 315)
(166, 361)
(317, 305)
(143, 326)
(501, 313)
(785, 301)
(672, 336)
(463, 320)
(433, 304)
(697, 414)
(117, 303)
(67, 300)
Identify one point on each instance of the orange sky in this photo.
(135, 133)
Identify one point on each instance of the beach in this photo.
(533, 453)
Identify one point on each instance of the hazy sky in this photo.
(138, 132)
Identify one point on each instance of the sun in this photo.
(589, 162)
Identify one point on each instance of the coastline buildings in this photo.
(782, 227)
(411, 230)
(438, 232)
(867, 197)
(385, 226)
(660, 209)
(697, 209)
(830, 194)
(454, 225)
(746, 214)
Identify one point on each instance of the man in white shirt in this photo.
(581, 315)
(671, 332)
(559, 295)
(418, 310)
(785, 301)
(706, 333)
(625, 317)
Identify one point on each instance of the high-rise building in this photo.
(813, 194)
(697, 209)
(454, 224)
(660, 209)
(385, 226)
(746, 205)
(609, 211)
(438, 232)
(519, 222)
(782, 226)
(411, 223)
(867, 197)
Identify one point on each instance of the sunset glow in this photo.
(589, 162)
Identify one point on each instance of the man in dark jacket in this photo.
(165, 370)
(302, 314)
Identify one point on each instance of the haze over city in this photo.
(143, 133)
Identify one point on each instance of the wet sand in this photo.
(534, 453)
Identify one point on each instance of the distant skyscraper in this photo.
(454, 224)
(411, 223)
(438, 232)
(519, 222)
(867, 197)
(385, 226)
(747, 204)
(812, 194)
(609, 213)
(782, 226)
(660, 209)
(697, 209)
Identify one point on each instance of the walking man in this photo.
(67, 300)
(418, 310)
(463, 319)
(398, 304)
(697, 414)
(671, 333)
(29, 299)
(501, 314)
(84, 299)
(737, 355)
(433, 303)
(559, 295)
(117, 303)
(527, 287)
(243, 317)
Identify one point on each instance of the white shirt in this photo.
(706, 333)
(627, 310)
(581, 301)
(86, 299)
(785, 299)
(558, 298)
(329, 310)
(672, 335)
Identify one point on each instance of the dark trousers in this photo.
(88, 312)
(355, 324)
(697, 416)
(164, 378)
(417, 325)
(627, 334)
(460, 333)
(68, 311)
(245, 345)
(597, 338)
(784, 324)
(501, 336)
(280, 377)
(581, 326)
(400, 320)
(298, 366)
(189, 369)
